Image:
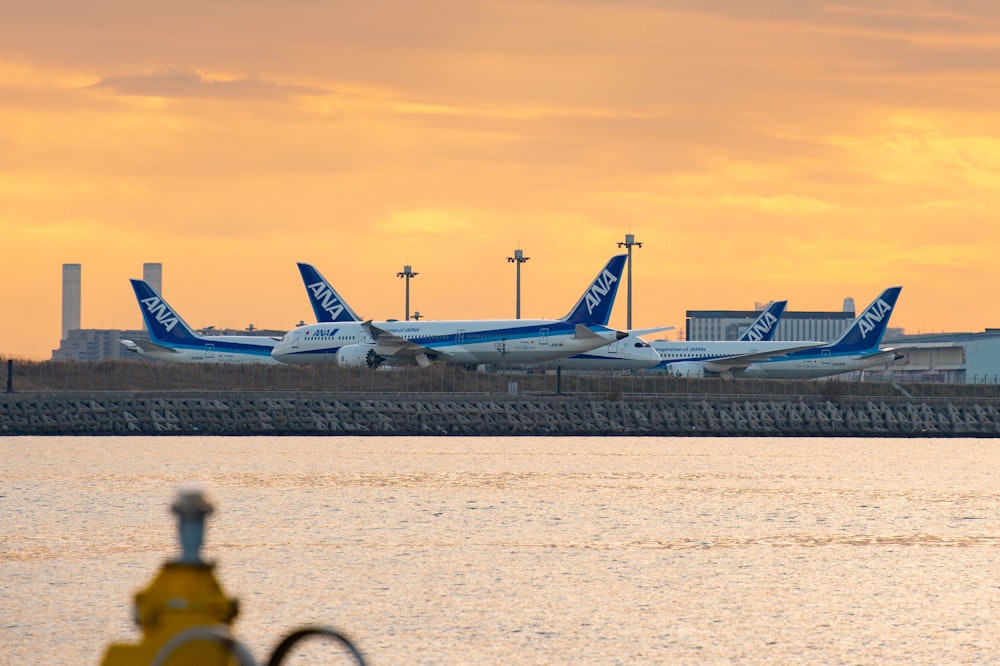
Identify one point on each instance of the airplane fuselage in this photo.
(211, 349)
(814, 366)
(470, 342)
(705, 352)
(631, 353)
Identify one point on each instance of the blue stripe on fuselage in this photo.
(482, 336)
(233, 347)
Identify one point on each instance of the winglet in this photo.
(594, 307)
(766, 324)
(326, 303)
(163, 322)
(865, 333)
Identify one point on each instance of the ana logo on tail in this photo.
(761, 328)
(873, 316)
(160, 312)
(326, 299)
(598, 290)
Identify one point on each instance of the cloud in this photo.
(188, 84)
(422, 222)
(781, 203)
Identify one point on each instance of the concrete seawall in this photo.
(285, 413)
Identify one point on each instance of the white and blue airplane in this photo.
(634, 353)
(462, 342)
(857, 348)
(171, 339)
(631, 353)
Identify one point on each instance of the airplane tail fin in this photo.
(866, 331)
(594, 307)
(326, 303)
(164, 324)
(764, 327)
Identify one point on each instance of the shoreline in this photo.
(301, 413)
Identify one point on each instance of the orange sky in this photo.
(765, 150)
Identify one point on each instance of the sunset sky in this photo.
(801, 150)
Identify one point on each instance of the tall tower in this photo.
(70, 299)
(153, 274)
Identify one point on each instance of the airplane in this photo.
(173, 340)
(631, 353)
(634, 353)
(326, 303)
(855, 349)
(462, 342)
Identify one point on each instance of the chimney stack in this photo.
(70, 299)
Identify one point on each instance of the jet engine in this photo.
(358, 356)
(687, 369)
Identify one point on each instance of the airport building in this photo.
(732, 324)
(94, 344)
(953, 358)
(961, 358)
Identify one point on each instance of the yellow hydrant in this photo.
(184, 614)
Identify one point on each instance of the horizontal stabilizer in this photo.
(581, 332)
(148, 346)
(888, 354)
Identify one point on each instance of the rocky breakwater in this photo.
(286, 413)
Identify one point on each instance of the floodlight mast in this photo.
(518, 259)
(406, 274)
(629, 242)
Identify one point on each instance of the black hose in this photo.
(291, 639)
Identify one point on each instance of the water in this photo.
(521, 550)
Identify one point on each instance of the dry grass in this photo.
(145, 376)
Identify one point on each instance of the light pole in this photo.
(406, 274)
(629, 242)
(518, 259)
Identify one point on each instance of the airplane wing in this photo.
(742, 361)
(646, 331)
(146, 346)
(389, 345)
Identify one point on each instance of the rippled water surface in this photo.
(521, 550)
